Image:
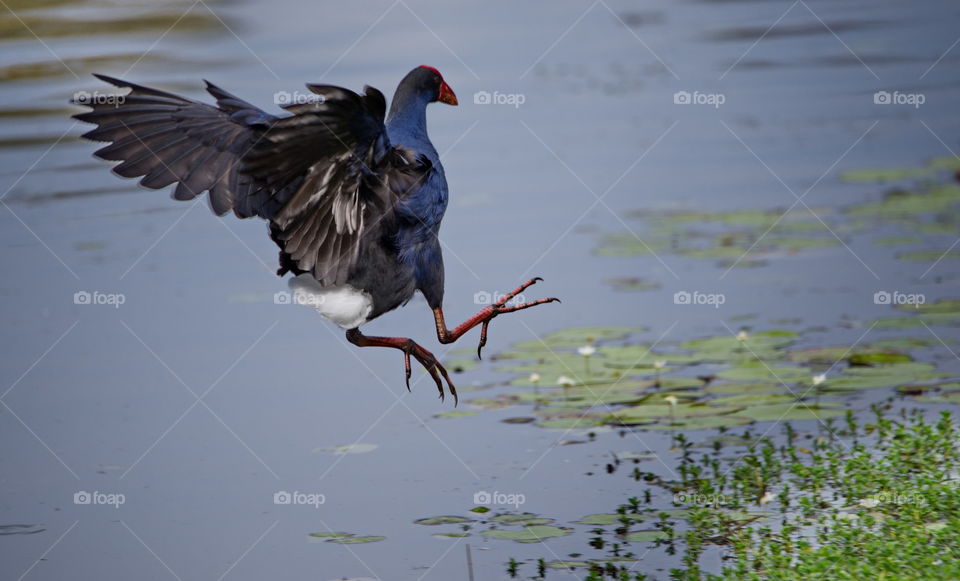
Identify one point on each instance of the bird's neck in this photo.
(409, 112)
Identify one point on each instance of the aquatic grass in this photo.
(873, 499)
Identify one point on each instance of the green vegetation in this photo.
(873, 500)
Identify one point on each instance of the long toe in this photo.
(520, 307)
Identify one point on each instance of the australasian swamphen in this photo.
(353, 201)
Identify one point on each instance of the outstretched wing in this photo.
(326, 176)
(166, 139)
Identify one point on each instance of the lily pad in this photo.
(487, 403)
(578, 336)
(529, 534)
(567, 564)
(759, 371)
(527, 519)
(751, 399)
(700, 423)
(451, 535)
(646, 412)
(582, 422)
(355, 540)
(882, 175)
(442, 520)
(879, 358)
(641, 357)
(520, 420)
(723, 348)
(609, 518)
(855, 378)
(331, 535)
(744, 388)
(792, 412)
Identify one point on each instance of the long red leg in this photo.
(409, 347)
(485, 315)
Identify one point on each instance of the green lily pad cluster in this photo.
(727, 236)
(923, 203)
(583, 378)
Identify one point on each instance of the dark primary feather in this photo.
(326, 176)
(168, 139)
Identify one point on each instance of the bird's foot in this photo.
(409, 347)
(433, 367)
(487, 314)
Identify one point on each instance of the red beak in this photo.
(446, 94)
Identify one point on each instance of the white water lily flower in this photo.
(660, 364)
(534, 378)
(869, 502)
(818, 379)
(742, 336)
(587, 350)
(564, 381)
(671, 399)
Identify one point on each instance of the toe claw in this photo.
(436, 378)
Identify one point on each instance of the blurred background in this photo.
(625, 152)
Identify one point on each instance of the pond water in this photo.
(198, 401)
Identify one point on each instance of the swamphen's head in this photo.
(425, 80)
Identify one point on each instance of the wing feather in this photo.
(325, 176)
